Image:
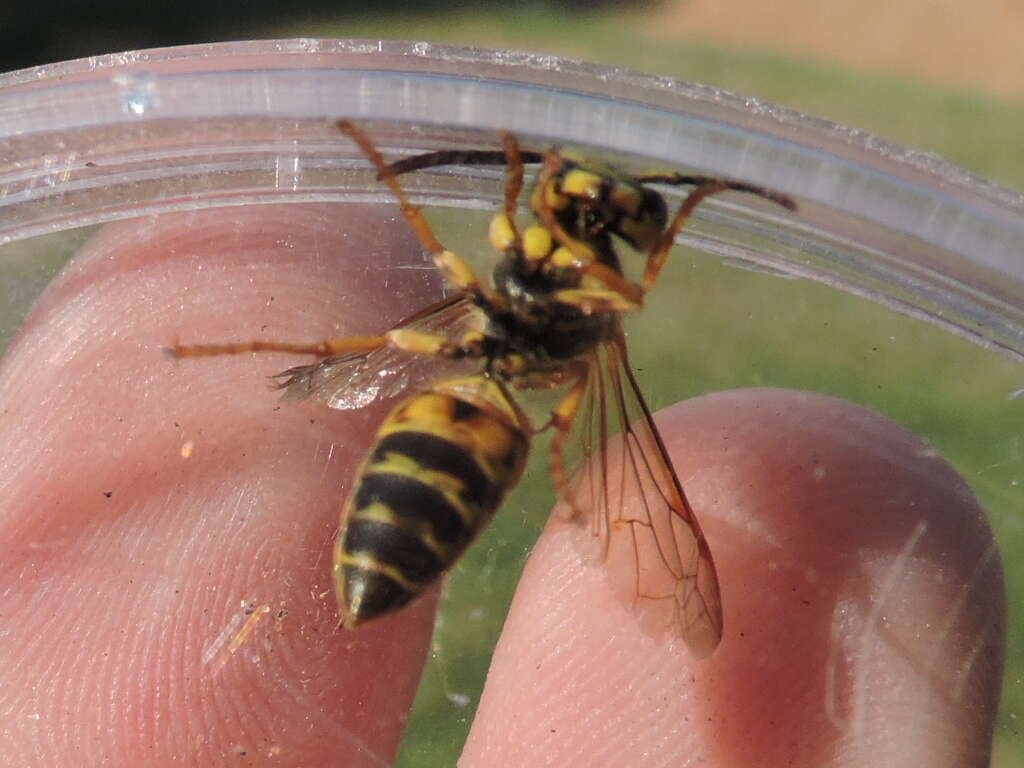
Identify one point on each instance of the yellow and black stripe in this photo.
(442, 463)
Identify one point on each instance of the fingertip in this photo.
(178, 519)
(859, 578)
(864, 610)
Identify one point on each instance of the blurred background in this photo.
(943, 76)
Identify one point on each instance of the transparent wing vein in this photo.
(621, 478)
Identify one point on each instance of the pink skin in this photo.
(156, 509)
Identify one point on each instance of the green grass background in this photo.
(782, 333)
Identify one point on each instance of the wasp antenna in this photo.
(678, 179)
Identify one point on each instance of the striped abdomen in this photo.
(442, 463)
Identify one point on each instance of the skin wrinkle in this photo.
(877, 609)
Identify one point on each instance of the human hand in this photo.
(166, 594)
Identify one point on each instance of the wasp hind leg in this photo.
(563, 417)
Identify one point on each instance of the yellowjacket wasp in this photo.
(444, 459)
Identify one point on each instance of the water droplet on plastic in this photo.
(137, 92)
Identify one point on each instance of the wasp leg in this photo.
(659, 252)
(470, 345)
(581, 253)
(590, 301)
(455, 270)
(705, 187)
(503, 234)
(513, 175)
(630, 292)
(461, 275)
(562, 419)
(324, 348)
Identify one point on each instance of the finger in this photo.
(167, 526)
(864, 611)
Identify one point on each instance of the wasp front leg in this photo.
(455, 270)
(601, 289)
(323, 348)
(470, 345)
(659, 253)
(706, 186)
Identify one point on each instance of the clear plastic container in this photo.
(910, 297)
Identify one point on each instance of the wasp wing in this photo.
(618, 476)
(354, 380)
